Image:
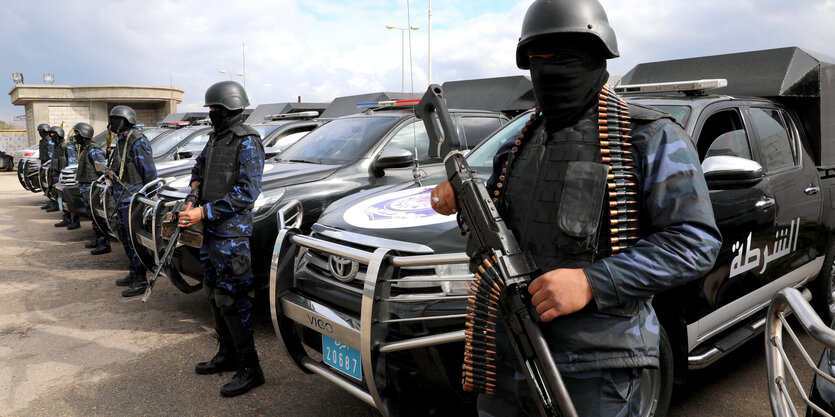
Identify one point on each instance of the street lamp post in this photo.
(402, 53)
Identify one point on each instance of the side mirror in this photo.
(392, 158)
(271, 152)
(177, 154)
(731, 171)
(184, 154)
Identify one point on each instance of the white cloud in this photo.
(321, 49)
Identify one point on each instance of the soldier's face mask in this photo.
(116, 125)
(218, 118)
(80, 139)
(565, 82)
(54, 136)
(43, 134)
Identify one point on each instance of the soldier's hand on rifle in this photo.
(443, 199)
(190, 216)
(560, 292)
(188, 204)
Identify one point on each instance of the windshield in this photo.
(680, 113)
(264, 130)
(166, 143)
(197, 142)
(482, 157)
(339, 141)
(153, 133)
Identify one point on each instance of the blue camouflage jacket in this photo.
(231, 216)
(143, 158)
(680, 243)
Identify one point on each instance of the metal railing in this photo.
(790, 300)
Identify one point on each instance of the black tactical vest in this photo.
(129, 175)
(220, 166)
(59, 156)
(86, 171)
(43, 150)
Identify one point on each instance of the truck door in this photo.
(793, 177)
(412, 137)
(745, 216)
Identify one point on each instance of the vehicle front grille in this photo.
(67, 177)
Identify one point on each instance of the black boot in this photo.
(93, 244)
(249, 376)
(74, 223)
(53, 206)
(127, 280)
(47, 205)
(65, 222)
(137, 288)
(102, 249)
(225, 360)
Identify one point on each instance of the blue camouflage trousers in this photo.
(595, 393)
(122, 210)
(227, 278)
(101, 237)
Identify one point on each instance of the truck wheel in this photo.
(823, 288)
(657, 384)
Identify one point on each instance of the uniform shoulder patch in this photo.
(244, 130)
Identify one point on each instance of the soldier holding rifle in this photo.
(609, 201)
(228, 172)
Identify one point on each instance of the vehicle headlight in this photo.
(182, 182)
(267, 200)
(459, 276)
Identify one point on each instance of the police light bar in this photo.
(675, 86)
(182, 123)
(390, 103)
(299, 115)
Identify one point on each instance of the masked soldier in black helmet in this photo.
(133, 163)
(88, 155)
(609, 201)
(228, 172)
(45, 148)
(63, 156)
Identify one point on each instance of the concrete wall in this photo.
(13, 140)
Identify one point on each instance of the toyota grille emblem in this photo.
(343, 269)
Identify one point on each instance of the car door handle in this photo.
(764, 203)
(812, 189)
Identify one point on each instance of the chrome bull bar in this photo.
(366, 333)
(790, 300)
(103, 214)
(147, 243)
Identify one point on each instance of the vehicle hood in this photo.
(174, 168)
(401, 212)
(279, 174)
(276, 174)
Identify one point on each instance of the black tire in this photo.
(657, 384)
(180, 283)
(823, 288)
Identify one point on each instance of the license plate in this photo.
(60, 204)
(342, 357)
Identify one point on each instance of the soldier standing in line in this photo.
(133, 163)
(63, 156)
(603, 257)
(45, 147)
(86, 174)
(228, 172)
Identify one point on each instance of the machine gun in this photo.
(174, 239)
(500, 284)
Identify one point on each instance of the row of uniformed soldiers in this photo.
(224, 206)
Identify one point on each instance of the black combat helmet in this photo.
(44, 127)
(84, 130)
(126, 112)
(227, 94)
(121, 119)
(58, 131)
(553, 17)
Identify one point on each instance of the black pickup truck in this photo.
(380, 282)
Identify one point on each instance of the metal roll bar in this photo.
(790, 300)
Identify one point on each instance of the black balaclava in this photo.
(80, 140)
(567, 84)
(118, 124)
(55, 138)
(223, 119)
(44, 134)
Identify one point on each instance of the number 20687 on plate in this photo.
(342, 357)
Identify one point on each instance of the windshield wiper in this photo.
(298, 160)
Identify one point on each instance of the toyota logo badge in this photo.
(343, 269)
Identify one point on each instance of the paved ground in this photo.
(70, 345)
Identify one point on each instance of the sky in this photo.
(321, 49)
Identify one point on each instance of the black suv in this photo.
(344, 156)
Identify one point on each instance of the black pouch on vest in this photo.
(581, 204)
